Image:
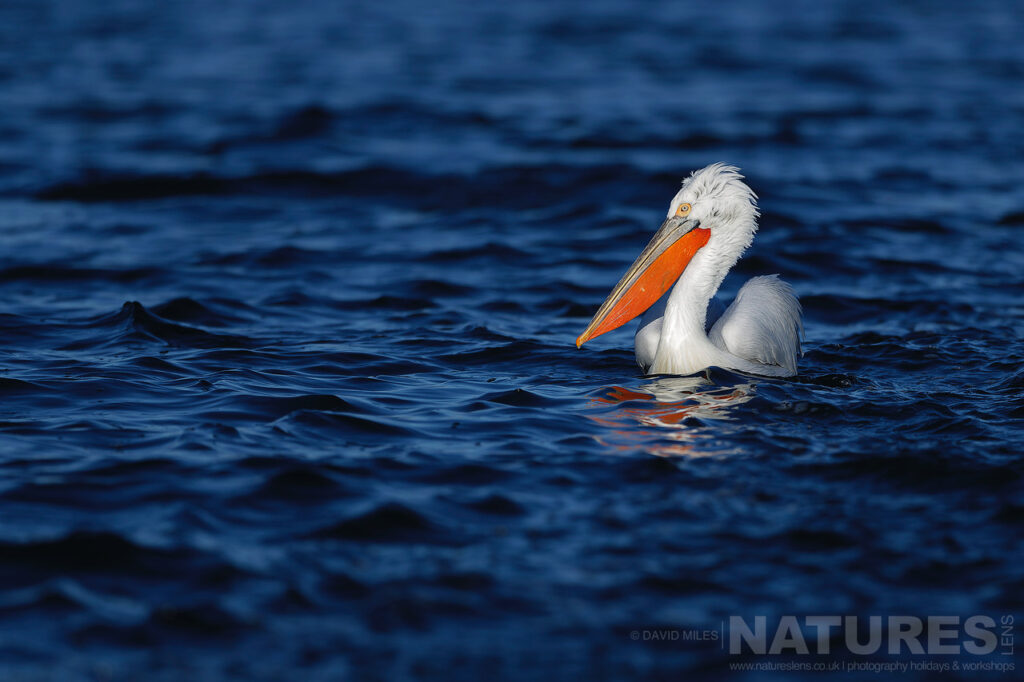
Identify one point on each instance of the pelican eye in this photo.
(683, 210)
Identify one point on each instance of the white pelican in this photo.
(710, 223)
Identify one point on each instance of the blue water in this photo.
(289, 295)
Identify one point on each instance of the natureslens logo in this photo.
(853, 643)
(978, 635)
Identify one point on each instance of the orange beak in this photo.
(650, 276)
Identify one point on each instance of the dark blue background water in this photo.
(289, 294)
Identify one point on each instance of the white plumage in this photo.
(763, 324)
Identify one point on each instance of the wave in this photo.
(133, 323)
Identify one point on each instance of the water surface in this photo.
(289, 300)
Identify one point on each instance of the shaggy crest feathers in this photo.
(720, 182)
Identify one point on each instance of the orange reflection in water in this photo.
(653, 417)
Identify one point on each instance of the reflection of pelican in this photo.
(661, 408)
(710, 223)
(699, 395)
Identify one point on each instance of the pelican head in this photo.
(713, 217)
(720, 201)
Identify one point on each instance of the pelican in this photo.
(710, 223)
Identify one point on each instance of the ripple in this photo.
(388, 523)
(133, 323)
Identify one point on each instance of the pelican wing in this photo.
(763, 324)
